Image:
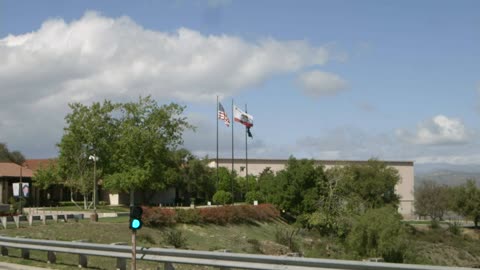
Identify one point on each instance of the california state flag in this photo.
(242, 117)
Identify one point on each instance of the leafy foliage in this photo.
(222, 197)
(160, 217)
(294, 189)
(10, 156)
(252, 196)
(145, 137)
(379, 233)
(46, 176)
(432, 200)
(467, 201)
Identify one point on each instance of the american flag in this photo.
(223, 115)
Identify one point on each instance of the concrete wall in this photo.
(405, 169)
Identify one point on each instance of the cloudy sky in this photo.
(396, 80)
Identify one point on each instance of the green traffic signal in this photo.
(136, 218)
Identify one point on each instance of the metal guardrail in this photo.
(169, 257)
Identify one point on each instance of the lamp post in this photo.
(94, 158)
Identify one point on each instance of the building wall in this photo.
(405, 169)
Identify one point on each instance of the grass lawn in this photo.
(432, 246)
(237, 238)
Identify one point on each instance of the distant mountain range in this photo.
(447, 174)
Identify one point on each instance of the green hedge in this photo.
(157, 217)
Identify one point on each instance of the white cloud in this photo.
(103, 56)
(97, 57)
(438, 130)
(318, 83)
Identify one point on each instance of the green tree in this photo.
(294, 189)
(335, 211)
(432, 200)
(46, 176)
(146, 137)
(379, 233)
(89, 130)
(225, 179)
(222, 197)
(467, 201)
(8, 156)
(372, 184)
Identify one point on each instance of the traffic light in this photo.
(136, 218)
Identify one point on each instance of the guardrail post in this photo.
(4, 251)
(4, 222)
(168, 266)
(82, 259)
(30, 219)
(16, 219)
(121, 262)
(44, 219)
(51, 257)
(25, 253)
(55, 218)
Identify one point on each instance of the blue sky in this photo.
(396, 80)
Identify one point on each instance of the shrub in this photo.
(175, 238)
(254, 196)
(222, 197)
(455, 228)
(379, 233)
(287, 238)
(157, 217)
(191, 216)
(217, 215)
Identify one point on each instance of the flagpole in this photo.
(246, 153)
(217, 142)
(231, 181)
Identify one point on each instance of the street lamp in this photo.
(94, 158)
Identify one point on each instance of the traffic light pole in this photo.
(134, 250)
(134, 233)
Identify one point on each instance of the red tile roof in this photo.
(8, 169)
(35, 164)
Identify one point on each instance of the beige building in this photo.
(405, 169)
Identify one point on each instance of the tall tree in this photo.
(294, 189)
(431, 199)
(372, 183)
(7, 156)
(90, 130)
(146, 137)
(467, 201)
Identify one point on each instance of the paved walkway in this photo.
(12, 266)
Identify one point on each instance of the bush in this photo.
(379, 233)
(191, 216)
(175, 238)
(222, 197)
(158, 217)
(287, 238)
(252, 196)
(455, 228)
